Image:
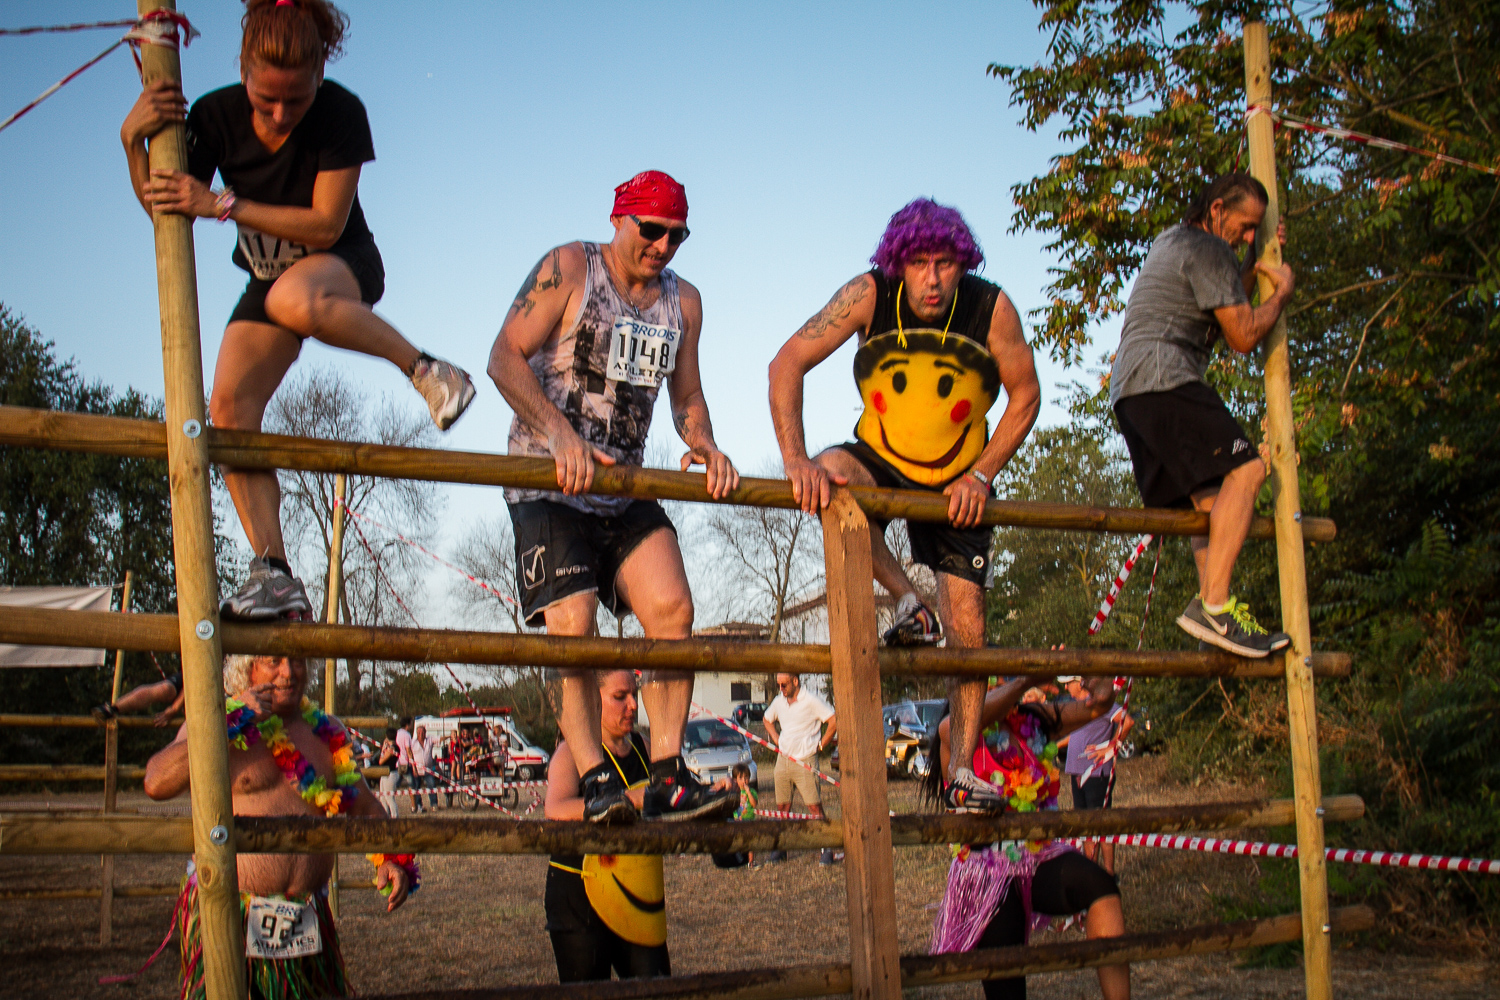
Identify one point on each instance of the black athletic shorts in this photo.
(561, 551)
(176, 681)
(363, 259)
(1181, 440)
(1096, 793)
(1069, 883)
(961, 552)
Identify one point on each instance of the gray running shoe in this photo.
(446, 387)
(267, 594)
(916, 625)
(1234, 629)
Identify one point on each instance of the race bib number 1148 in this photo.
(641, 353)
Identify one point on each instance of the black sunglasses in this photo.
(653, 231)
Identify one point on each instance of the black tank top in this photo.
(567, 904)
(971, 314)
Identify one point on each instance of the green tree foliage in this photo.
(1393, 333)
(69, 519)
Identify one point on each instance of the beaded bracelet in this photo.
(406, 862)
(224, 202)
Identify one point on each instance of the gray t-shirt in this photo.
(1170, 328)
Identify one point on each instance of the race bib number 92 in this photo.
(641, 353)
(280, 928)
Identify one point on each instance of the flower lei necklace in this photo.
(245, 731)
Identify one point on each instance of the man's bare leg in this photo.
(1230, 507)
(887, 568)
(579, 718)
(961, 606)
(653, 583)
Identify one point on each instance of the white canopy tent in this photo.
(56, 598)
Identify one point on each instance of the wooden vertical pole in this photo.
(111, 781)
(222, 930)
(869, 874)
(331, 616)
(1302, 713)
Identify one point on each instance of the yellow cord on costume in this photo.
(569, 868)
(901, 333)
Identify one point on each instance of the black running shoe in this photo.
(1233, 629)
(918, 626)
(604, 798)
(104, 712)
(675, 794)
(968, 793)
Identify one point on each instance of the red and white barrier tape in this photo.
(1258, 849)
(1304, 125)
(83, 26)
(781, 814)
(769, 746)
(1114, 589)
(156, 28)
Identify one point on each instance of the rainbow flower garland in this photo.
(406, 862)
(1029, 781)
(244, 731)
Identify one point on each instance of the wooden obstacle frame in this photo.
(867, 831)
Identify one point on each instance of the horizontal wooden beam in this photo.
(30, 428)
(124, 834)
(65, 772)
(130, 891)
(140, 721)
(927, 970)
(45, 626)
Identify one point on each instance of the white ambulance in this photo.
(524, 760)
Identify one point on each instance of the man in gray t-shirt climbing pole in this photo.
(1185, 445)
(593, 333)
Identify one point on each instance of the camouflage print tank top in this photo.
(603, 373)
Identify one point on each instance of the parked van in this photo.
(525, 762)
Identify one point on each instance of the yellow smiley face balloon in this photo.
(925, 396)
(629, 894)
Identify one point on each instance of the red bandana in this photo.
(654, 193)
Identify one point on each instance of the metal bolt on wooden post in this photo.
(1281, 436)
(222, 930)
(111, 781)
(875, 954)
(331, 616)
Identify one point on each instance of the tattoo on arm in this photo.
(535, 283)
(836, 311)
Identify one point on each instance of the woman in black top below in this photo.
(288, 146)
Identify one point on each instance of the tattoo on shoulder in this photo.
(837, 310)
(535, 283)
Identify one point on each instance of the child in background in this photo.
(749, 800)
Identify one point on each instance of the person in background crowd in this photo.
(422, 764)
(1091, 764)
(794, 723)
(390, 756)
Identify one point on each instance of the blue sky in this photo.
(501, 130)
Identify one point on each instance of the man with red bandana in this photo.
(594, 331)
(936, 343)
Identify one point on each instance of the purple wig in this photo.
(924, 226)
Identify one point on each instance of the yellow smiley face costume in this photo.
(926, 394)
(629, 894)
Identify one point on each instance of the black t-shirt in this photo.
(971, 314)
(566, 902)
(333, 135)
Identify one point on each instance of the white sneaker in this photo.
(446, 387)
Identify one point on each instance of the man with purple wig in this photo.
(936, 344)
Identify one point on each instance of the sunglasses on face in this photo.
(653, 231)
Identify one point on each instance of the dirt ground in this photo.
(478, 920)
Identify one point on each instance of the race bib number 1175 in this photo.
(641, 353)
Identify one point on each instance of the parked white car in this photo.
(711, 750)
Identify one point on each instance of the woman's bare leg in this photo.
(318, 297)
(253, 359)
(1106, 919)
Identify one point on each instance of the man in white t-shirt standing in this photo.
(794, 723)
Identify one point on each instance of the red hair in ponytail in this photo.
(292, 34)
